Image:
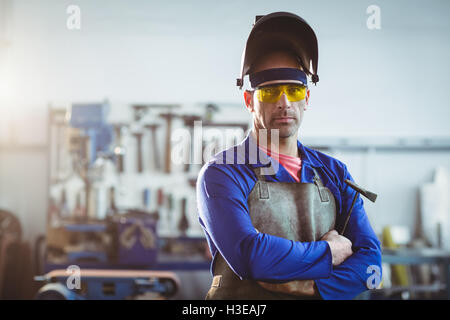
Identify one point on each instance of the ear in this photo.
(248, 99)
(307, 99)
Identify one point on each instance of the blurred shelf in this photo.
(394, 144)
(164, 262)
(414, 288)
(420, 256)
(416, 256)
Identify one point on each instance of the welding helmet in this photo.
(285, 31)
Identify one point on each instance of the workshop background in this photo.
(89, 117)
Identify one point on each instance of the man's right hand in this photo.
(340, 246)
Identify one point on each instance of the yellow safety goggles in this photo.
(270, 94)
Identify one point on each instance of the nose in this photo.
(283, 102)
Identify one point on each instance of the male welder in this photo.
(272, 220)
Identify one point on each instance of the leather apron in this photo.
(296, 211)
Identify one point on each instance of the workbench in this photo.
(420, 256)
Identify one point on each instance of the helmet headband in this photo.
(260, 77)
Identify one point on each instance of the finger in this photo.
(348, 241)
(330, 233)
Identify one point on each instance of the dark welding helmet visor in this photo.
(281, 31)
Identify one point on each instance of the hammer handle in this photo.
(168, 145)
(349, 213)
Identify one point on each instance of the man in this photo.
(270, 217)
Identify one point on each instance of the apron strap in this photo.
(262, 185)
(259, 176)
(264, 188)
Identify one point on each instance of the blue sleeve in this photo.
(223, 211)
(350, 278)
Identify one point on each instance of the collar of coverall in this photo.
(264, 160)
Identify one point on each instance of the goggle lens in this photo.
(271, 94)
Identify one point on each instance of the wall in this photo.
(387, 82)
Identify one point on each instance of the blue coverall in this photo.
(222, 193)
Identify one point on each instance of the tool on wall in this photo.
(169, 212)
(210, 110)
(160, 197)
(168, 116)
(119, 149)
(59, 143)
(146, 198)
(162, 215)
(63, 206)
(183, 224)
(112, 209)
(138, 136)
(358, 190)
(56, 136)
(79, 212)
(154, 145)
(140, 110)
(53, 217)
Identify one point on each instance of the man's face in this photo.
(284, 115)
